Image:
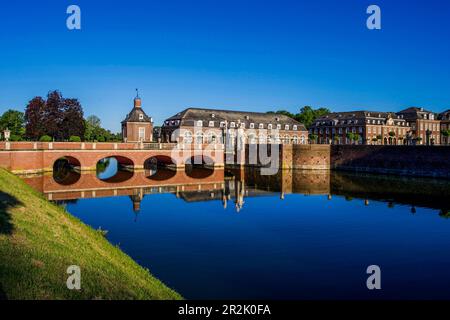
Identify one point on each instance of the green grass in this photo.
(39, 241)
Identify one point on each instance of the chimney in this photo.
(137, 102)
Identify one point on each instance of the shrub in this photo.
(45, 138)
(75, 139)
(101, 139)
(15, 137)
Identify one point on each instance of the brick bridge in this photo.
(35, 157)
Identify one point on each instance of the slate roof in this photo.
(133, 116)
(188, 116)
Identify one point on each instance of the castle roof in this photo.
(190, 115)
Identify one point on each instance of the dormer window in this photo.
(277, 119)
(261, 126)
(286, 127)
(278, 126)
(247, 117)
(294, 127)
(213, 115)
(243, 125)
(269, 126)
(211, 124)
(232, 125)
(199, 123)
(222, 124)
(252, 125)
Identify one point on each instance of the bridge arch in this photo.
(160, 167)
(114, 168)
(66, 170)
(199, 166)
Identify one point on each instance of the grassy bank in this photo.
(39, 241)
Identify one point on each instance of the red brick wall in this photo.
(405, 160)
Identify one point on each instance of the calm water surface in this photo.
(296, 235)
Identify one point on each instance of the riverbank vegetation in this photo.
(39, 241)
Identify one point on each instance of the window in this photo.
(199, 123)
(251, 138)
(210, 137)
(141, 134)
(243, 125)
(187, 137)
(294, 127)
(222, 124)
(141, 117)
(261, 126)
(232, 125)
(211, 123)
(199, 138)
(286, 127)
(278, 126)
(252, 125)
(269, 126)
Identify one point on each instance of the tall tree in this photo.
(34, 113)
(14, 121)
(53, 115)
(73, 122)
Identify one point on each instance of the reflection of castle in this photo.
(238, 184)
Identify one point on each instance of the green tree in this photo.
(446, 134)
(306, 116)
(356, 137)
(14, 121)
(313, 138)
(45, 138)
(75, 139)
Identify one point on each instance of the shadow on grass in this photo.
(6, 203)
(2, 294)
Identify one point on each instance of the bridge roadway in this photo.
(35, 157)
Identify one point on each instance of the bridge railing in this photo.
(31, 145)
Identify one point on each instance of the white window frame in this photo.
(141, 133)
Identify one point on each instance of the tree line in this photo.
(307, 115)
(54, 119)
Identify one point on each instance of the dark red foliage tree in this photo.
(33, 118)
(57, 117)
(73, 121)
(53, 115)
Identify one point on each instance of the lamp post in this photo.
(7, 134)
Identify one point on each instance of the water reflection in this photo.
(66, 171)
(198, 183)
(112, 171)
(294, 235)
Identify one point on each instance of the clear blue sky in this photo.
(249, 55)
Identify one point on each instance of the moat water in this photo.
(235, 234)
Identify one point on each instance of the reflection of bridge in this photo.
(88, 185)
(29, 157)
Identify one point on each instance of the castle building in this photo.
(137, 126)
(425, 125)
(361, 127)
(210, 125)
(444, 117)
